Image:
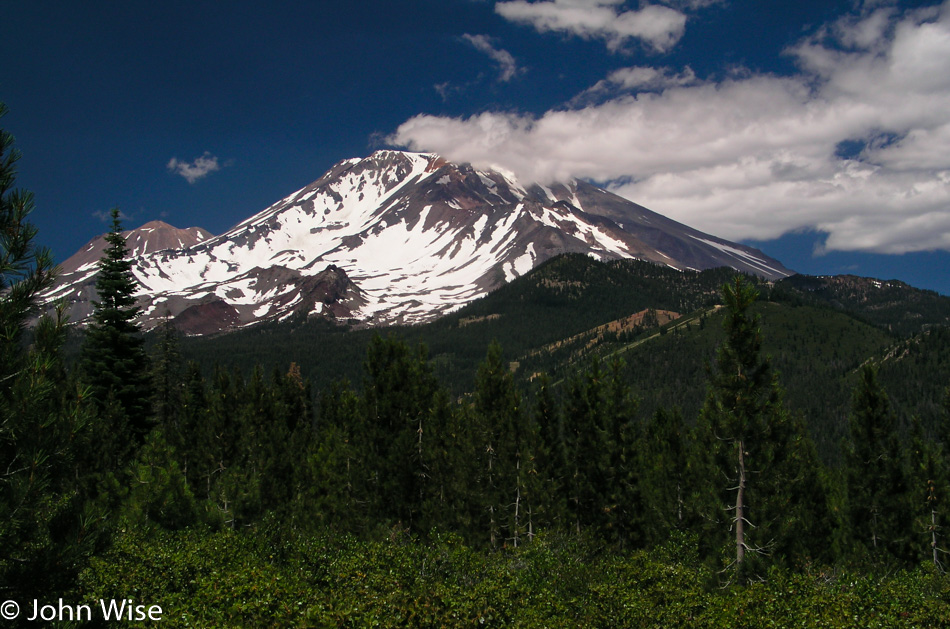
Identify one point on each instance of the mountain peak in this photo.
(395, 237)
(156, 225)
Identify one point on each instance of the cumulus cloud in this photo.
(197, 169)
(657, 26)
(507, 67)
(856, 145)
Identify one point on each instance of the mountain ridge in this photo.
(414, 235)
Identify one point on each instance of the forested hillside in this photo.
(664, 324)
(593, 444)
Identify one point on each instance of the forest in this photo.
(436, 481)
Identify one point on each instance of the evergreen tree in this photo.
(159, 491)
(664, 475)
(598, 451)
(497, 415)
(167, 379)
(512, 487)
(763, 466)
(42, 420)
(194, 436)
(877, 488)
(928, 492)
(943, 431)
(331, 485)
(114, 362)
(398, 393)
(549, 509)
(450, 466)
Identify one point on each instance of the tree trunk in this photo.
(740, 509)
(517, 498)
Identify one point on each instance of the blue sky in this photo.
(818, 131)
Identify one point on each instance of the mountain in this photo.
(77, 277)
(400, 237)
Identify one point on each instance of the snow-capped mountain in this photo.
(77, 278)
(395, 237)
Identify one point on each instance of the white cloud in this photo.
(196, 169)
(757, 156)
(507, 67)
(658, 26)
(636, 79)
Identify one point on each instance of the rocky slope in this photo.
(393, 238)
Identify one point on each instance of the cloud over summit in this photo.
(755, 155)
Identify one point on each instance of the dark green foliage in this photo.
(259, 579)
(928, 489)
(599, 475)
(669, 475)
(880, 526)
(159, 490)
(398, 455)
(508, 445)
(496, 415)
(42, 419)
(167, 377)
(762, 461)
(398, 396)
(25, 269)
(892, 305)
(914, 373)
(114, 363)
(331, 486)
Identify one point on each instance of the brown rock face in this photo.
(209, 318)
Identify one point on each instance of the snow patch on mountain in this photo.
(396, 237)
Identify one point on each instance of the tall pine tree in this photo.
(877, 486)
(498, 413)
(114, 362)
(764, 468)
(600, 463)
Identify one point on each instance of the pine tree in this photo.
(600, 459)
(193, 437)
(549, 508)
(329, 478)
(159, 492)
(398, 392)
(498, 413)
(763, 465)
(167, 380)
(877, 487)
(42, 419)
(113, 359)
(928, 492)
(664, 475)
(446, 448)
